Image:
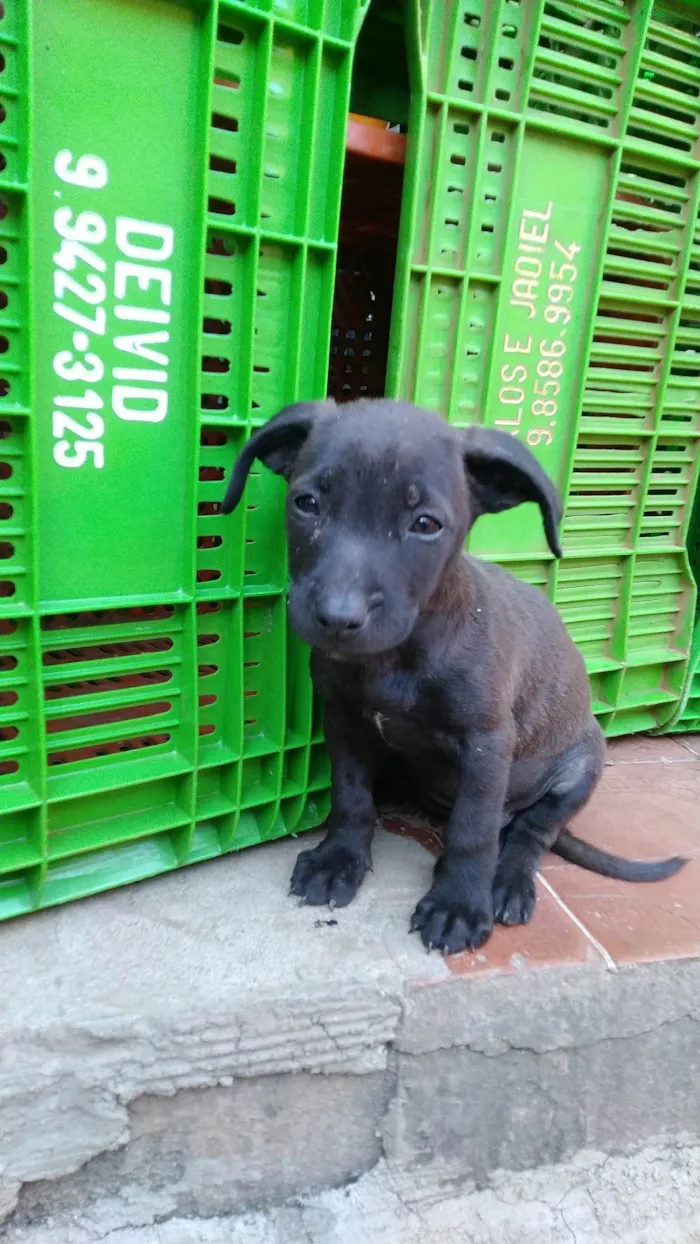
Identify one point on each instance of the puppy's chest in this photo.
(394, 694)
(403, 708)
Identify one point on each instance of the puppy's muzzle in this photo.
(342, 614)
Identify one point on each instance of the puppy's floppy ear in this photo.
(503, 473)
(276, 444)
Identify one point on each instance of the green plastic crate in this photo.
(161, 297)
(686, 719)
(154, 708)
(550, 234)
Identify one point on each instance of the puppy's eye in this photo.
(306, 503)
(426, 525)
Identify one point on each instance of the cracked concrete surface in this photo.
(174, 1053)
(651, 1196)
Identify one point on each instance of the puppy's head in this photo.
(381, 496)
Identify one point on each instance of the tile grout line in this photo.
(682, 760)
(605, 954)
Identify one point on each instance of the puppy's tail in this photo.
(597, 861)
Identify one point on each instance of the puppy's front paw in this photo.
(328, 875)
(513, 897)
(452, 924)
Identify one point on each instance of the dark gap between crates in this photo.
(370, 209)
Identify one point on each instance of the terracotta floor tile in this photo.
(649, 814)
(645, 812)
(647, 807)
(680, 892)
(689, 742)
(551, 939)
(636, 923)
(638, 749)
(407, 825)
(678, 782)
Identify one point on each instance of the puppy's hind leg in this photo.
(534, 831)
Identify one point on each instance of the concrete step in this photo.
(200, 1046)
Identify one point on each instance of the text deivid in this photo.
(128, 302)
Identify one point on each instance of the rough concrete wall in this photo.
(520, 1110)
(68, 1094)
(529, 1070)
(214, 1151)
(492, 1073)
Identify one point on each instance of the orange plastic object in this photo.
(375, 122)
(367, 137)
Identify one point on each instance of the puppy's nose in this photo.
(341, 613)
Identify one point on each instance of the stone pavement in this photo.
(199, 1047)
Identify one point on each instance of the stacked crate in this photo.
(170, 192)
(549, 285)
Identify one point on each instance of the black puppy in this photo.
(454, 670)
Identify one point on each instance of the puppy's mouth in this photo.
(352, 652)
(367, 641)
(377, 634)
